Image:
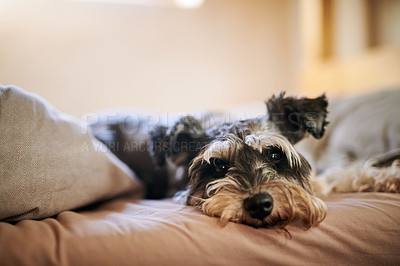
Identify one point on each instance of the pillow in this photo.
(49, 161)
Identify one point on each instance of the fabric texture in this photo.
(49, 162)
(360, 229)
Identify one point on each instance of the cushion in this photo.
(50, 162)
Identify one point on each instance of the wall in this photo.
(85, 56)
(348, 47)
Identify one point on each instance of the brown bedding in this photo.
(361, 228)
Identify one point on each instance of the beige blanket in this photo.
(360, 229)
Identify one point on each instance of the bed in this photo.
(67, 200)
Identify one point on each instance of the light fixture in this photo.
(189, 3)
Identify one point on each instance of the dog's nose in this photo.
(259, 206)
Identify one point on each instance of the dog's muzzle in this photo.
(259, 205)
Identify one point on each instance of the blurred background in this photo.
(177, 55)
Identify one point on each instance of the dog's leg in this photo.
(387, 158)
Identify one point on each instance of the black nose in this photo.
(259, 206)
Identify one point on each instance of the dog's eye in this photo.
(275, 155)
(220, 167)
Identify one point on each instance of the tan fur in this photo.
(290, 203)
(364, 178)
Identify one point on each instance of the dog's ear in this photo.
(181, 143)
(294, 117)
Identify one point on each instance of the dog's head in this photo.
(249, 172)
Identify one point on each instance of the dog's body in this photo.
(246, 171)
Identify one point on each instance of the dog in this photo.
(248, 171)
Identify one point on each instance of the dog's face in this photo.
(258, 180)
(249, 172)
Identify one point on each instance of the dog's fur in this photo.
(248, 171)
